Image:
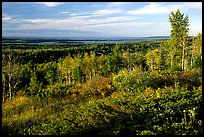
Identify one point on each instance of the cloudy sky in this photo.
(95, 19)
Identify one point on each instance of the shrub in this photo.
(129, 80)
(97, 86)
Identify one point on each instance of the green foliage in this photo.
(34, 85)
(197, 63)
(179, 36)
(179, 25)
(154, 59)
(56, 90)
(129, 80)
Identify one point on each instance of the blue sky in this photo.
(95, 19)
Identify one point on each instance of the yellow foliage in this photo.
(17, 101)
(20, 92)
(97, 85)
(73, 96)
(113, 95)
(149, 91)
(103, 94)
(200, 88)
(153, 58)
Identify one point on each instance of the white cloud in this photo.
(107, 11)
(110, 19)
(49, 4)
(194, 5)
(96, 13)
(9, 19)
(73, 22)
(115, 24)
(82, 16)
(117, 28)
(64, 12)
(73, 14)
(36, 20)
(160, 8)
(6, 18)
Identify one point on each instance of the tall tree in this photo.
(179, 33)
(66, 68)
(153, 59)
(87, 66)
(78, 69)
(128, 59)
(93, 64)
(197, 49)
(11, 70)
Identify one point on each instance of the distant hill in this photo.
(157, 37)
(87, 38)
(50, 40)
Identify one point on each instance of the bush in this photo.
(129, 80)
(97, 86)
(55, 90)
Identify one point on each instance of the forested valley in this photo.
(133, 88)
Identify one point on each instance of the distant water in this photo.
(40, 40)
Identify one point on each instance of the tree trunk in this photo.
(3, 98)
(191, 61)
(10, 90)
(192, 57)
(201, 51)
(3, 85)
(69, 79)
(90, 75)
(4, 90)
(192, 53)
(9, 82)
(182, 60)
(185, 64)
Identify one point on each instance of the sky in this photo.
(95, 19)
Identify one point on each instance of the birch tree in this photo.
(11, 71)
(196, 49)
(179, 33)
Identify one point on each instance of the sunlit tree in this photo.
(153, 59)
(197, 49)
(11, 71)
(179, 33)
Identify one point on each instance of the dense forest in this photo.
(131, 88)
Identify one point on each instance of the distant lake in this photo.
(12, 40)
